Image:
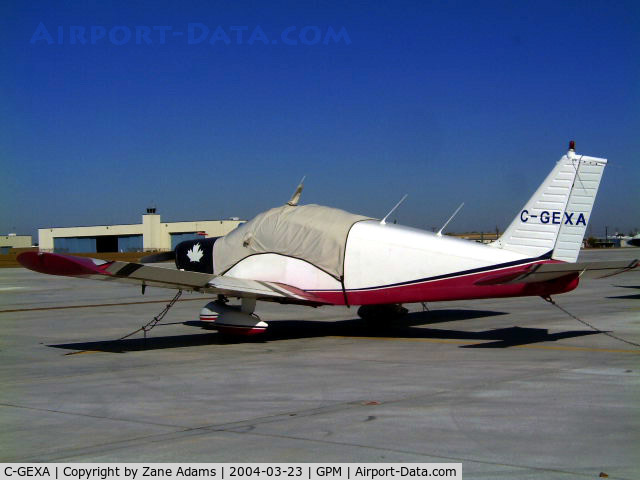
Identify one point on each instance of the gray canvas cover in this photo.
(313, 233)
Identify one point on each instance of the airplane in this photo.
(634, 241)
(315, 255)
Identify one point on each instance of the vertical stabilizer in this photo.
(555, 218)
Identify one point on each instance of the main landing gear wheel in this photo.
(381, 315)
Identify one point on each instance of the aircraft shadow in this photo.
(406, 327)
(143, 344)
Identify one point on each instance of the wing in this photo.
(136, 273)
(543, 272)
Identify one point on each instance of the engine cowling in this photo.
(231, 319)
(195, 255)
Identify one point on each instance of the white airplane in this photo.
(634, 241)
(314, 255)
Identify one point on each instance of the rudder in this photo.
(555, 218)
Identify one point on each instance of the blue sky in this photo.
(445, 101)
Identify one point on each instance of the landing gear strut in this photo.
(232, 319)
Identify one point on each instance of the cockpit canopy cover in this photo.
(313, 233)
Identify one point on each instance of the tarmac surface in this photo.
(510, 388)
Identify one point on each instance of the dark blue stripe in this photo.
(515, 263)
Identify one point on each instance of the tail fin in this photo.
(554, 220)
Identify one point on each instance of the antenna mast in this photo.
(450, 218)
(384, 220)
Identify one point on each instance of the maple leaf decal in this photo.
(195, 254)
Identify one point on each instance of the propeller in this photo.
(159, 257)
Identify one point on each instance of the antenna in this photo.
(383, 221)
(293, 202)
(450, 218)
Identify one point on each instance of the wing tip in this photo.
(59, 264)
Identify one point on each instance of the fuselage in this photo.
(387, 263)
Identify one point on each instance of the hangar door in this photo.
(102, 243)
(107, 243)
(74, 245)
(176, 238)
(130, 243)
(119, 243)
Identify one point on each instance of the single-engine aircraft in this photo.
(315, 255)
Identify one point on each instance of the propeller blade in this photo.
(159, 257)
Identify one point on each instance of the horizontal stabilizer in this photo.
(544, 272)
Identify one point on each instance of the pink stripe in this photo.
(464, 287)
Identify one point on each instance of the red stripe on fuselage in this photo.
(462, 287)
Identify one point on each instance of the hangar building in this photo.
(150, 235)
(7, 242)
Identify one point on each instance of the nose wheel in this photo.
(233, 319)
